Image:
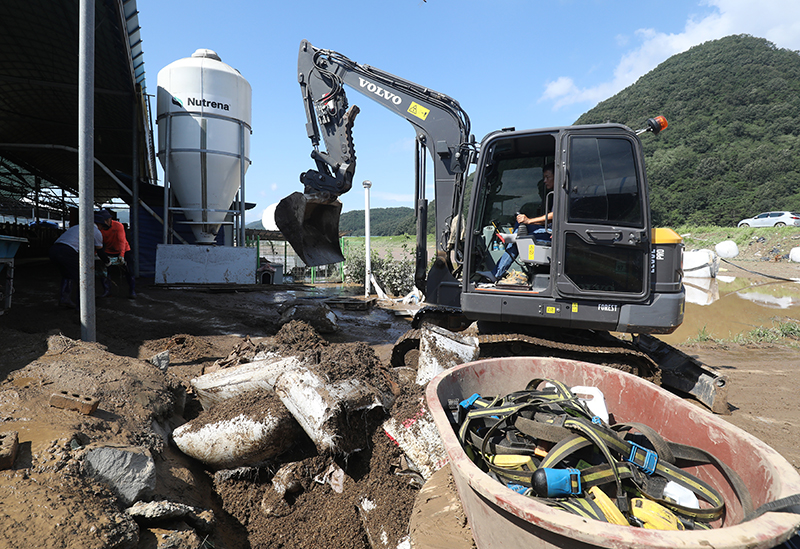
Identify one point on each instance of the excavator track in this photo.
(644, 356)
(608, 351)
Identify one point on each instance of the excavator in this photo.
(595, 267)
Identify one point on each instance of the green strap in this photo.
(502, 410)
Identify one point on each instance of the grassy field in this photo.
(752, 242)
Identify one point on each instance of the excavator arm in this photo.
(310, 220)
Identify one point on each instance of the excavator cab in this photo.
(602, 268)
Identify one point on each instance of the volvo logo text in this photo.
(380, 92)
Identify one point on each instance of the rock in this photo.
(161, 360)
(794, 255)
(161, 511)
(130, 472)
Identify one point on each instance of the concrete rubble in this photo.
(275, 432)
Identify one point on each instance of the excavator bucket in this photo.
(311, 225)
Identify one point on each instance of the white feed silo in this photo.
(204, 113)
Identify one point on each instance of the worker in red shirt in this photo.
(115, 245)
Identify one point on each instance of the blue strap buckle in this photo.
(648, 458)
(575, 481)
(468, 402)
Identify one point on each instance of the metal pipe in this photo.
(241, 183)
(134, 218)
(166, 177)
(367, 279)
(86, 169)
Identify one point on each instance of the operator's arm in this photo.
(540, 220)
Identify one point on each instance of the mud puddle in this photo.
(730, 305)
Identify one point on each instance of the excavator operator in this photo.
(534, 225)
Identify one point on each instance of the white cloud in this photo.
(776, 20)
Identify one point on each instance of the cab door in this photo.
(602, 236)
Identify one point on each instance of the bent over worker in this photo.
(115, 244)
(64, 253)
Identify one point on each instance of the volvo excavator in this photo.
(596, 267)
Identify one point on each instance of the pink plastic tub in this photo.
(503, 519)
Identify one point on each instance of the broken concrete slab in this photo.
(441, 349)
(419, 439)
(232, 382)
(329, 412)
(244, 431)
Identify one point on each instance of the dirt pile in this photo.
(368, 506)
(50, 495)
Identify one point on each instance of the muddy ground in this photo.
(47, 500)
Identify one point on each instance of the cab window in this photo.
(603, 182)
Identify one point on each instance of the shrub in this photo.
(395, 276)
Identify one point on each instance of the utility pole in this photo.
(367, 184)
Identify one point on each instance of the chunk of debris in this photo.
(154, 512)
(318, 315)
(216, 387)
(239, 432)
(332, 394)
(160, 360)
(242, 352)
(418, 438)
(67, 400)
(9, 444)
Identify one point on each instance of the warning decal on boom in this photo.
(418, 110)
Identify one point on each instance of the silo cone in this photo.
(204, 113)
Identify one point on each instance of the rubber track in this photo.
(598, 349)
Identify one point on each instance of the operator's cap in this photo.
(101, 216)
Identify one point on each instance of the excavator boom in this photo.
(310, 219)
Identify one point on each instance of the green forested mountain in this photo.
(732, 148)
(382, 222)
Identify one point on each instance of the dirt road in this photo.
(47, 502)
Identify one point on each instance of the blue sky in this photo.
(527, 64)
